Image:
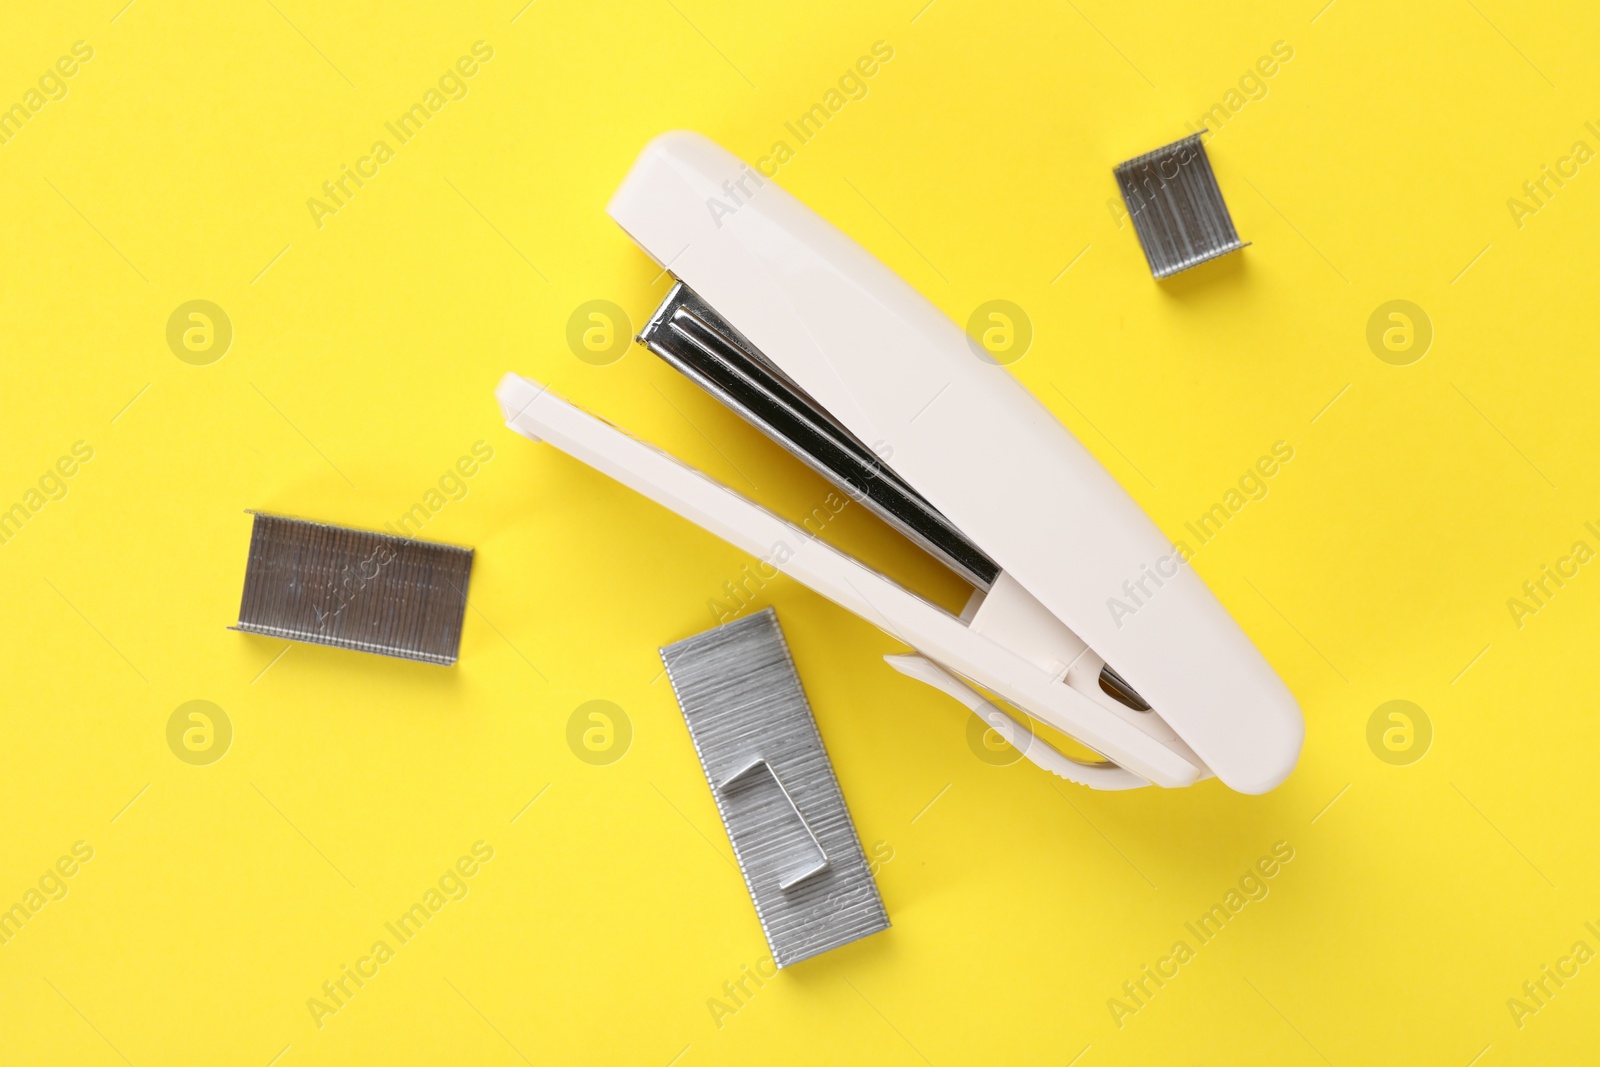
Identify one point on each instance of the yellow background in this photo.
(1377, 167)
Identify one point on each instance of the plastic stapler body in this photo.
(810, 338)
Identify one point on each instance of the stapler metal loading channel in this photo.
(803, 333)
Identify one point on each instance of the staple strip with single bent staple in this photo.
(1177, 207)
(775, 788)
(373, 592)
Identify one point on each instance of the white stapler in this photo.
(802, 332)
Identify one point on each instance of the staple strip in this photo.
(743, 702)
(688, 333)
(372, 592)
(1177, 207)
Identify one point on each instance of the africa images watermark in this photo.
(52, 486)
(1537, 192)
(743, 589)
(1538, 991)
(1538, 591)
(1252, 86)
(353, 580)
(852, 85)
(1138, 591)
(452, 85)
(599, 732)
(452, 885)
(51, 86)
(52, 886)
(452, 486)
(739, 991)
(1252, 887)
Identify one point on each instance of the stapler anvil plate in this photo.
(804, 333)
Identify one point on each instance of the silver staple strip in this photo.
(1176, 206)
(775, 788)
(687, 333)
(372, 592)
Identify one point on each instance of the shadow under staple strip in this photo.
(372, 592)
(775, 788)
(1177, 207)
